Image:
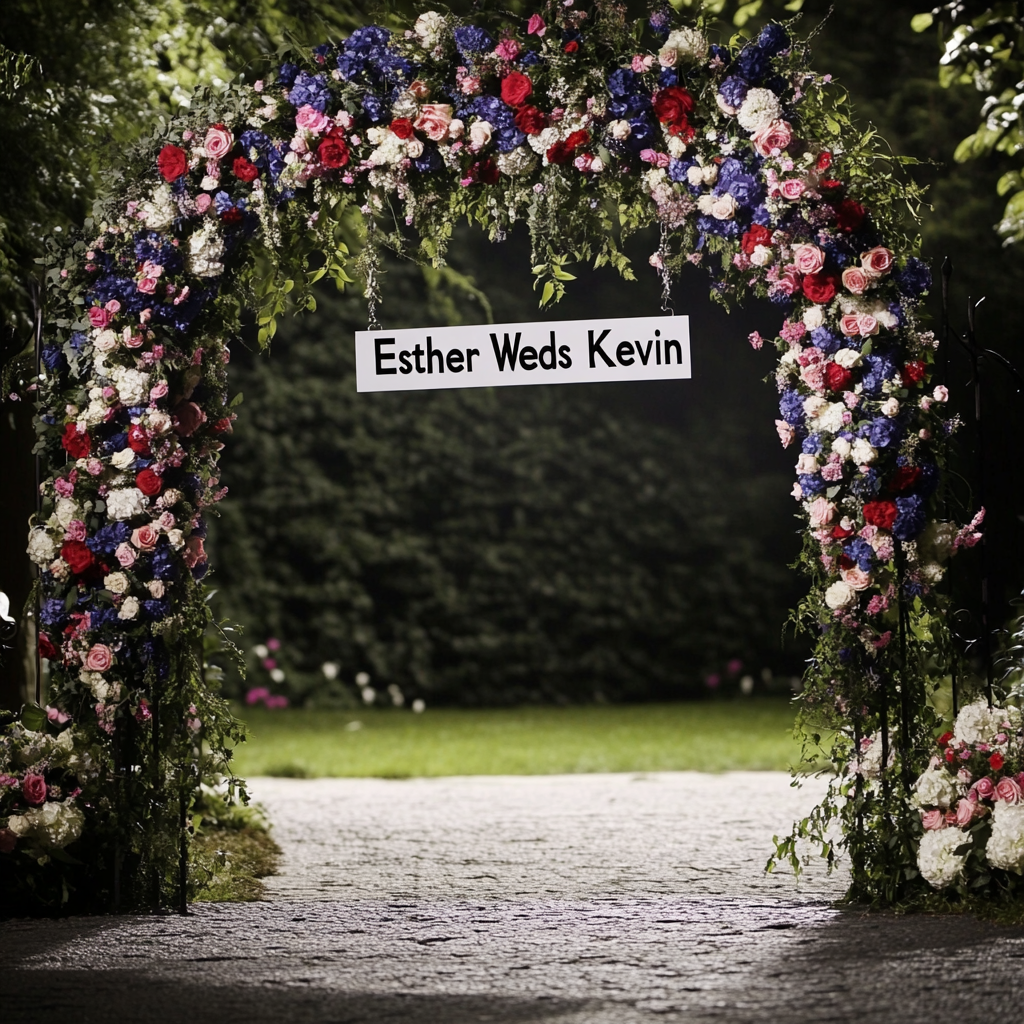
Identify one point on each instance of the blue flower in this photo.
(310, 90)
(865, 485)
(824, 339)
(429, 161)
(373, 107)
(667, 78)
(910, 520)
(791, 408)
(530, 57)
(622, 82)
(811, 485)
(812, 444)
(860, 551)
(733, 90)
(471, 39)
(157, 609)
(660, 20)
(51, 612)
(103, 618)
(880, 368)
(286, 74)
(163, 564)
(150, 245)
(107, 539)
(501, 118)
(677, 169)
(773, 39)
(53, 358)
(752, 64)
(882, 432)
(914, 279)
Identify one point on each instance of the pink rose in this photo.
(777, 135)
(194, 553)
(964, 813)
(434, 120)
(856, 578)
(876, 262)
(855, 280)
(788, 282)
(535, 26)
(145, 537)
(786, 432)
(158, 391)
(99, 658)
(203, 201)
(507, 49)
(1009, 790)
(147, 285)
(99, 317)
(792, 188)
(75, 530)
(125, 555)
(166, 521)
(821, 511)
(218, 141)
(311, 120)
(33, 789)
(983, 789)
(188, 418)
(849, 325)
(867, 325)
(933, 820)
(55, 715)
(808, 259)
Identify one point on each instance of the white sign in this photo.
(497, 355)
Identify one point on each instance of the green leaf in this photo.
(236, 401)
(920, 22)
(547, 293)
(33, 717)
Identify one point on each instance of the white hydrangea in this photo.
(543, 141)
(41, 547)
(206, 247)
(978, 723)
(519, 161)
(863, 452)
(392, 150)
(53, 825)
(683, 43)
(1005, 847)
(429, 29)
(96, 682)
(847, 357)
(936, 859)
(126, 502)
(67, 509)
(832, 418)
(760, 109)
(936, 788)
(116, 582)
(870, 764)
(160, 211)
(132, 385)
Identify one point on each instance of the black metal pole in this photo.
(947, 273)
(37, 309)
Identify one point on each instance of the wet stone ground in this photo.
(597, 899)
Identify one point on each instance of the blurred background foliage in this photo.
(527, 544)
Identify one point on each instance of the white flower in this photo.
(126, 502)
(480, 134)
(617, 130)
(41, 547)
(842, 448)
(159, 422)
(53, 825)
(105, 341)
(97, 684)
(176, 538)
(520, 161)
(832, 418)
(724, 207)
(762, 256)
(846, 357)
(705, 204)
(155, 588)
(814, 317)
(863, 452)
(129, 609)
(67, 509)
(890, 407)
(840, 595)
(1005, 847)
(978, 723)
(116, 582)
(870, 763)
(676, 146)
(160, 211)
(542, 142)
(760, 109)
(683, 43)
(206, 247)
(123, 459)
(429, 29)
(936, 788)
(936, 858)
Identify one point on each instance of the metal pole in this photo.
(37, 309)
(947, 273)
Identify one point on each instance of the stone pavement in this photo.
(588, 899)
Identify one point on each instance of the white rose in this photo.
(126, 502)
(159, 422)
(936, 859)
(129, 609)
(1005, 847)
(840, 595)
(760, 108)
(105, 341)
(123, 459)
(116, 582)
(41, 547)
(832, 418)
(620, 130)
(762, 256)
(413, 149)
(209, 183)
(847, 357)
(813, 317)
(936, 788)
(479, 134)
(724, 207)
(155, 588)
(890, 407)
(176, 538)
(806, 464)
(456, 129)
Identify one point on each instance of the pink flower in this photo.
(933, 820)
(276, 702)
(99, 317)
(311, 120)
(99, 658)
(273, 644)
(777, 136)
(535, 26)
(856, 578)
(194, 553)
(188, 418)
(808, 259)
(876, 262)
(507, 49)
(33, 789)
(218, 141)
(786, 432)
(158, 391)
(965, 811)
(788, 282)
(756, 341)
(145, 537)
(640, 63)
(941, 393)
(256, 694)
(147, 285)
(203, 201)
(105, 714)
(125, 555)
(94, 467)
(821, 511)
(792, 189)
(876, 604)
(434, 120)
(855, 280)
(983, 789)
(55, 715)
(1008, 789)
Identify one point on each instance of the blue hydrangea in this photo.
(914, 279)
(163, 564)
(53, 358)
(660, 20)
(677, 169)
(268, 158)
(860, 551)
(812, 485)
(733, 90)
(882, 432)
(374, 107)
(78, 341)
(746, 189)
(836, 253)
(622, 82)
(761, 216)
(429, 161)
(879, 368)
(668, 77)
(910, 520)
(286, 74)
(471, 39)
(107, 539)
(824, 339)
(812, 444)
(752, 64)
(309, 90)
(722, 228)
(791, 408)
(501, 118)
(528, 58)
(628, 107)
(103, 618)
(51, 612)
(150, 245)
(157, 608)
(773, 39)
(866, 485)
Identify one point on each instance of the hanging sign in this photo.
(497, 355)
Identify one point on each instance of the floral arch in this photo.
(574, 121)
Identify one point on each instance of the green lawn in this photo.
(752, 734)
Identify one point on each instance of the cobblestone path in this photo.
(587, 899)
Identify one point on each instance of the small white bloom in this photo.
(126, 502)
(840, 595)
(842, 447)
(129, 609)
(847, 357)
(41, 546)
(123, 459)
(890, 407)
(429, 29)
(67, 509)
(833, 417)
(176, 538)
(978, 723)
(813, 318)
(936, 859)
(863, 452)
(760, 109)
(206, 247)
(1005, 847)
(619, 130)
(724, 207)
(116, 582)
(936, 788)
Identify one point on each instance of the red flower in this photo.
(172, 162)
(515, 87)
(943, 740)
(232, 215)
(904, 478)
(820, 287)
(846, 562)
(838, 533)
(138, 439)
(77, 555)
(485, 171)
(75, 444)
(46, 648)
(915, 372)
(996, 762)
(849, 215)
(824, 161)
(571, 47)
(562, 152)
(402, 127)
(149, 483)
(531, 120)
(949, 755)
(33, 789)
(244, 170)
(333, 151)
(837, 377)
(672, 105)
(757, 235)
(881, 514)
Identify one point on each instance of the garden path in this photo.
(587, 899)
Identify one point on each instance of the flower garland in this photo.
(744, 158)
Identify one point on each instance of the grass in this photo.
(752, 734)
(236, 859)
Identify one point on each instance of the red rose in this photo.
(75, 444)
(172, 162)
(486, 171)
(223, 426)
(904, 478)
(995, 762)
(849, 215)
(577, 139)
(46, 648)
(402, 127)
(187, 418)
(515, 87)
(244, 170)
(149, 483)
(571, 47)
(820, 288)
(846, 562)
(672, 105)
(77, 555)
(837, 377)
(531, 120)
(562, 152)
(138, 439)
(915, 372)
(33, 789)
(838, 533)
(824, 161)
(943, 740)
(881, 514)
(949, 755)
(333, 150)
(757, 235)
